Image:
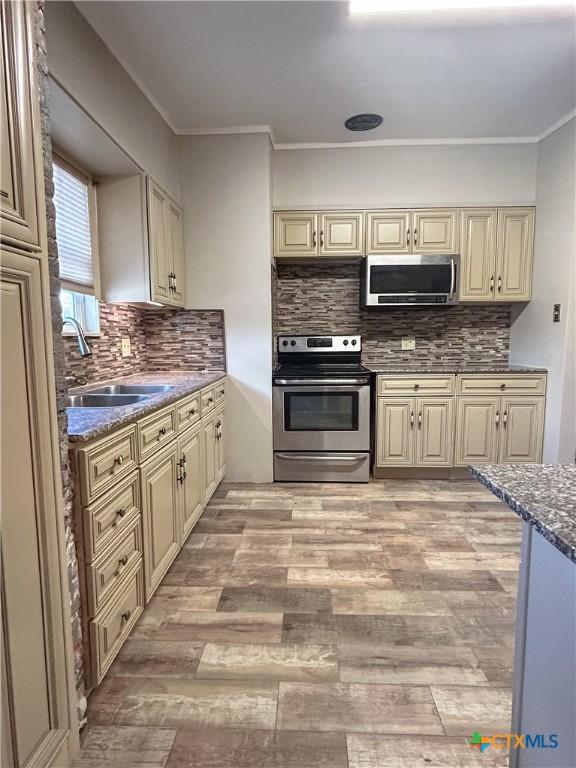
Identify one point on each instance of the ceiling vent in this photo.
(364, 122)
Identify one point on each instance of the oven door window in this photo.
(321, 411)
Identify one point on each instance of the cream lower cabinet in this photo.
(190, 475)
(159, 490)
(141, 490)
(477, 424)
(415, 432)
(499, 430)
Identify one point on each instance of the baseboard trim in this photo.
(421, 473)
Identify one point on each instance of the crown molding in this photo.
(557, 125)
(408, 143)
(225, 131)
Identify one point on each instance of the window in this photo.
(75, 204)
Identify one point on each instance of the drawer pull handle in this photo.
(492, 284)
(119, 459)
(502, 387)
(420, 419)
(411, 418)
(497, 419)
(209, 399)
(416, 387)
(126, 615)
(119, 514)
(505, 415)
(123, 560)
(161, 432)
(192, 411)
(407, 237)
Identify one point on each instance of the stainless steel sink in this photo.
(132, 389)
(92, 400)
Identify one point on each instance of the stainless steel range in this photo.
(321, 408)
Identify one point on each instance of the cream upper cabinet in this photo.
(396, 420)
(478, 254)
(22, 186)
(522, 430)
(175, 252)
(514, 254)
(190, 471)
(388, 232)
(295, 234)
(435, 432)
(158, 478)
(341, 233)
(435, 231)
(140, 242)
(477, 425)
(497, 253)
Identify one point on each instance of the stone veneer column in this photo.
(59, 365)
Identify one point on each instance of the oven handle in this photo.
(290, 457)
(321, 382)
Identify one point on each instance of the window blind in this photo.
(73, 231)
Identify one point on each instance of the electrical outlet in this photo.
(126, 348)
(408, 342)
(556, 314)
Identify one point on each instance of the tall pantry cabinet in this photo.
(37, 694)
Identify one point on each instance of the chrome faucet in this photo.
(85, 350)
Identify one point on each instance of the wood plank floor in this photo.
(322, 626)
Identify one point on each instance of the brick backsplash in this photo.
(167, 339)
(325, 299)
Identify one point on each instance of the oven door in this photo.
(314, 417)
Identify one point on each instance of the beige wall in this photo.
(535, 339)
(81, 63)
(225, 184)
(405, 176)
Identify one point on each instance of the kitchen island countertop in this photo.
(544, 495)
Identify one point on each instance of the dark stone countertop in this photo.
(543, 495)
(88, 423)
(487, 368)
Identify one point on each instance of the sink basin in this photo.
(92, 400)
(132, 389)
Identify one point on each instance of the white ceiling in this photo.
(302, 68)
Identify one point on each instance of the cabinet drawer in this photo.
(110, 516)
(104, 462)
(188, 412)
(422, 386)
(155, 431)
(513, 384)
(103, 576)
(207, 400)
(220, 392)
(113, 625)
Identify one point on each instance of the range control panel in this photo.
(319, 344)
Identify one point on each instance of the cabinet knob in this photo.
(416, 387)
(192, 411)
(120, 513)
(161, 431)
(123, 560)
(126, 615)
(503, 387)
(119, 459)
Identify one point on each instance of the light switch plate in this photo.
(408, 342)
(126, 348)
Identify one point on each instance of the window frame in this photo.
(72, 166)
(79, 313)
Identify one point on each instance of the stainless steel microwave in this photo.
(406, 281)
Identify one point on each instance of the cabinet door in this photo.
(477, 425)
(435, 231)
(515, 250)
(395, 432)
(21, 183)
(175, 228)
(190, 479)
(160, 262)
(388, 232)
(209, 456)
(522, 430)
(435, 432)
(478, 254)
(342, 233)
(295, 234)
(158, 479)
(34, 663)
(220, 445)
